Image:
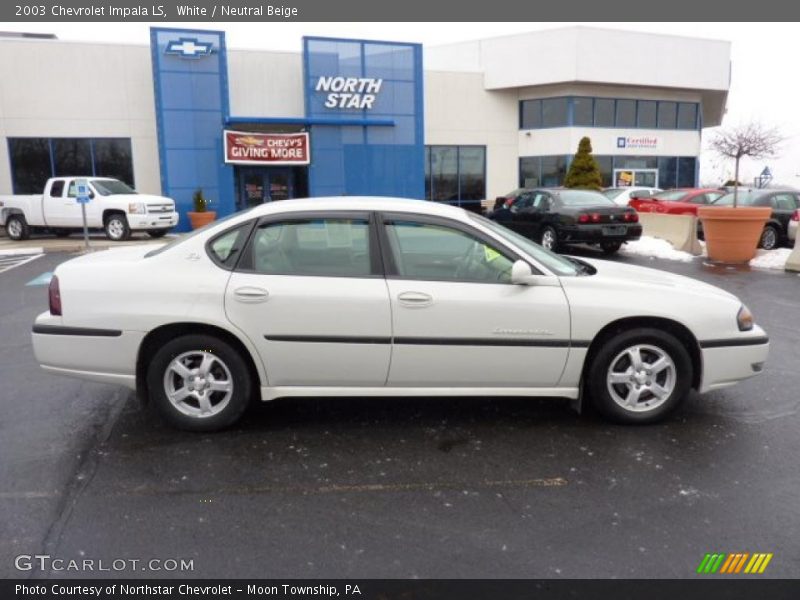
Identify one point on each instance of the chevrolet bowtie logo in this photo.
(189, 47)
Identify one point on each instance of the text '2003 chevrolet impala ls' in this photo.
(385, 297)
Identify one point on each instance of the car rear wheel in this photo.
(199, 383)
(609, 248)
(117, 228)
(17, 228)
(769, 238)
(549, 239)
(639, 376)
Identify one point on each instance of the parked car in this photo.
(683, 201)
(784, 203)
(622, 195)
(385, 297)
(114, 207)
(556, 217)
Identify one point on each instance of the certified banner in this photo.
(242, 148)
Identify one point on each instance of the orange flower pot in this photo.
(732, 234)
(201, 219)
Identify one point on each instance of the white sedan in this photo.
(385, 297)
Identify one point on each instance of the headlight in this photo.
(136, 208)
(744, 319)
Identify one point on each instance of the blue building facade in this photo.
(363, 112)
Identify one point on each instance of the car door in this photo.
(61, 210)
(310, 294)
(457, 319)
(528, 214)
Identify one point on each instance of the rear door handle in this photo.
(250, 294)
(415, 299)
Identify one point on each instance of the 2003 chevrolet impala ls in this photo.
(385, 297)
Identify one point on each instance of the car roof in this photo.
(360, 203)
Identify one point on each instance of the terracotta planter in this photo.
(200, 219)
(732, 234)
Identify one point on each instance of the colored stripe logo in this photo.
(734, 563)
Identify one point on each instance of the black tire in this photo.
(614, 351)
(17, 228)
(549, 239)
(116, 227)
(157, 233)
(770, 238)
(62, 233)
(227, 356)
(610, 248)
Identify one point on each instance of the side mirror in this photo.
(521, 273)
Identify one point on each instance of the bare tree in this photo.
(752, 139)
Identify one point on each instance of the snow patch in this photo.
(655, 248)
(771, 259)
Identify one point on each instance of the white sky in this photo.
(765, 82)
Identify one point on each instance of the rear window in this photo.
(673, 196)
(583, 198)
(744, 199)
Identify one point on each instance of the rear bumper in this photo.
(153, 221)
(595, 234)
(103, 355)
(726, 362)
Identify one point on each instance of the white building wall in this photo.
(564, 140)
(265, 84)
(40, 97)
(458, 111)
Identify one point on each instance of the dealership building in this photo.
(457, 123)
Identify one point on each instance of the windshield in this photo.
(108, 187)
(557, 264)
(185, 238)
(673, 196)
(582, 198)
(744, 199)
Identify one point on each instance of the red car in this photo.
(683, 201)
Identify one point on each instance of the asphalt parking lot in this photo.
(402, 488)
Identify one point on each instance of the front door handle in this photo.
(250, 294)
(415, 299)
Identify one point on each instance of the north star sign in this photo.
(349, 92)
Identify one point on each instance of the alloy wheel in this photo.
(198, 384)
(641, 378)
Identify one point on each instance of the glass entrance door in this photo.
(636, 178)
(265, 184)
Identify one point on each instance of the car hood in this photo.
(632, 276)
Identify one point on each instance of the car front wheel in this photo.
(639, 376)
(769, 238)
(549, 239)
(117, 228)
(199, 383)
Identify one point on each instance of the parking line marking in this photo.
(7, 266)
(43, 279)
(17, 251)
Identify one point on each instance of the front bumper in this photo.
(102, 355)
(147, 221)
(596, 233)
(726, 362)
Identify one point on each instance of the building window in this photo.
(35, 160)
(30, 164)
(455, 174)
(554, 112)
(646, 111)
(530, 172)
(687, 171)
(626, 113)
(583, 112)
(603, 112)
(687, 115)
(542, 171)
(667, 172)
(531, 114)
(667, 115)
(606, 164)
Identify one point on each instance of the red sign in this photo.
(266, 148)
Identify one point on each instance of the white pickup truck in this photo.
(113, 206)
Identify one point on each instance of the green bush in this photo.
(584, 172)
(200, 202)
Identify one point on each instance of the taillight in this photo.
(796, 215)
(583, 218)
(54, 294)
(595, 217)
(631, 217)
